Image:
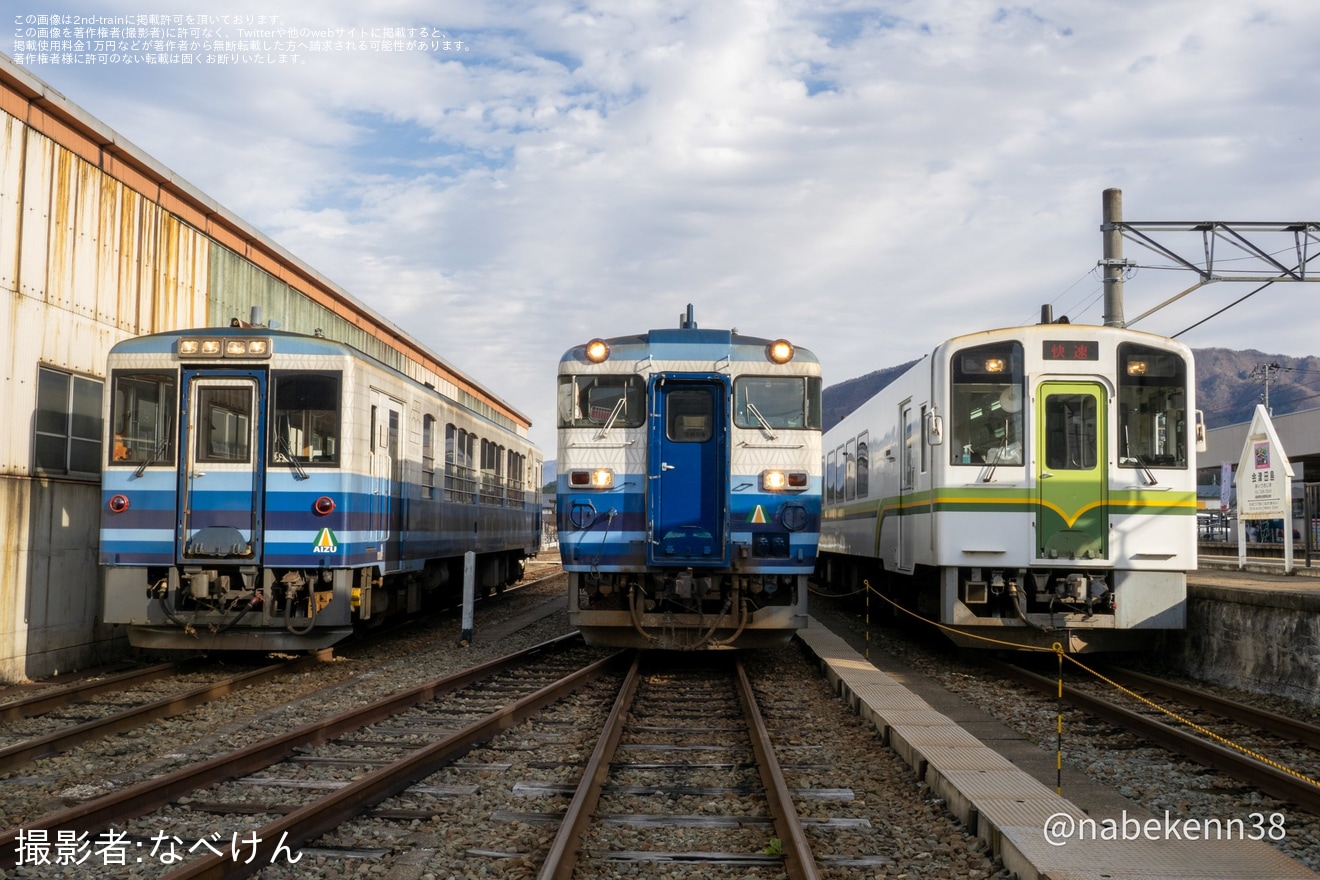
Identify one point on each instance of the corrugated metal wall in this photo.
(237, 286)
(85, 261)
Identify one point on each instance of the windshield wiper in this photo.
(155, 455)
(1141, 462)
(756, 413)
(609, 423)
(282, 449)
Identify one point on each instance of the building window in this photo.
(67, 439)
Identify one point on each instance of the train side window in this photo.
(863, 464)
(840, 473)
(67, 437)
(986, 405)
(142, 417)
(428, 456)
(925, 447)
(909, 454)
(850, 472)
(306, 411)
(830, 465)
(1152, 407)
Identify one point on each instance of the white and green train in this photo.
(1023, 487)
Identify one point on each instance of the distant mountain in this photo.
(1229, 384)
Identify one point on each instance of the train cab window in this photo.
(224, 423)
(774, 402)
(305, 418)
(689, 415)
(142, 417)
(594, 401)
(1152, 407)
(986, 405)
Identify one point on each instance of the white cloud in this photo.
(867, 178)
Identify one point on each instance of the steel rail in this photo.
(562, 859)
(77, 693)
(129, 719)
(311, 821)
(135, 800)
(1272, 722)
(1268, 779)
(798, 861)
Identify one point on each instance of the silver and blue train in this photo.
(267, 490)
(688, 489)
(1024, 487)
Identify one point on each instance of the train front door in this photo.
(1072, 472)
(222, 434)
(688, 472)
(386, 514)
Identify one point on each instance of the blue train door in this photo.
(386, 478)
(688, 472)
(222, 433)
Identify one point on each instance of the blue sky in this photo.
(864, 178)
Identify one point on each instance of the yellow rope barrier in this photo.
(1058, 649)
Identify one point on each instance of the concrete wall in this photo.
(1262, 641)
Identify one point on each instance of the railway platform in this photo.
(1038, 834)
(1255, 628)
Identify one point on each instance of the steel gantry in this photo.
(1255, 252)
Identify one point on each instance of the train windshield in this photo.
(987, 405)
(593, 401)
(777, 402)
(142, 417)
(305, 423)
(1152, 407)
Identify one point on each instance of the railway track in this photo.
(715, 715)
(49, 729)
(383, 747)
(1294, 787)
(58, 719)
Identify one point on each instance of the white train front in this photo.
(688, 493)
(1030, 486)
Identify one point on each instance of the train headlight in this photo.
(597, 351)
(324, 505)
(1136, 367)
(191, 346)
(118, 503)
(246, 347)
(600, 478)
(994, 365)
(783, 481)
(780, 351)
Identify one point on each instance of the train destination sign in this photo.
(1070, 350)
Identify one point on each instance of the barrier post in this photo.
(469, 595)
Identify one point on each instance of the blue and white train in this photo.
(688, 492)
(266, 490)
